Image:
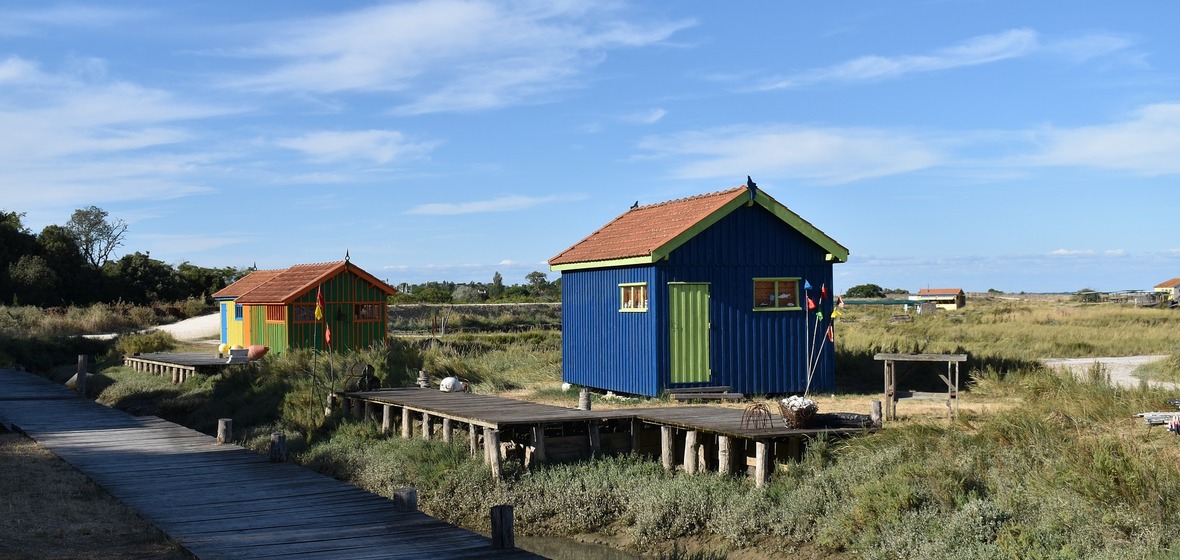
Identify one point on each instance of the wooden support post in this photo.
(369, 415)
(386, 419)
(667, 444)
(427, 426)
(875, 416)
(491, 447)
(473, 439)
(595, 438)
(537, 441)
(503, 534)
(724, 455)
(225, 430)
(358, 408)
(446, 430)
(795, 448)
(405, 423)
(635, 427)
(278, 447)
(331, 406)
(761, 466)
(175, 375)
(81, 381)
(690, 452)
(346, 405)
(405, 500)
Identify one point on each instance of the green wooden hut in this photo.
(276, 308)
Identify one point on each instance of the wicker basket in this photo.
(800, 418)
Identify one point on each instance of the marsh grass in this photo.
(1063, 470)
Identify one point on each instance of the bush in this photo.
(146, 343)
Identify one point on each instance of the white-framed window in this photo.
(776, 294)
(633, 297)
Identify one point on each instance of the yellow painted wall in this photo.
(234, 333)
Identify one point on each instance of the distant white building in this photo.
(945, 298)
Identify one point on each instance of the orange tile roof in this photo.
(246, 283)
(1169, 284)
(939, 291)
(284, 286)
(646, 228)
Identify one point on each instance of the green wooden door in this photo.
(688, 320)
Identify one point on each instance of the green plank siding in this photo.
(341, 293)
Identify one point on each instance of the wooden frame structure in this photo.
(951, 379)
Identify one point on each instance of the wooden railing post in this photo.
(225, 430)
(81, 382)
(278, 447)
(405, 499)
(503, 535)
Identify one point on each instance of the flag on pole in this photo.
(823, 291)
(836, 313)
(830, 335)
(319, 304)
(810, 303)
(840, 302)
(806, 285)
(327, 335)
(819, 316)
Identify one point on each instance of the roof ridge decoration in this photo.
(640, 236)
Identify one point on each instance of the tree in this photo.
(140, 279)
(15, 242)
(465, 294)
(96, 236)
(865, 291)
(497, 288)
(538, 282)
(33, 282)
(77, 283)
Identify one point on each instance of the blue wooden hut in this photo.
(710, 290)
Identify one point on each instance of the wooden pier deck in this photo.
(179, 365)
(222, 501)
(705, 437)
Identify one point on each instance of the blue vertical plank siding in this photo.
(753, 352)
(603, 347)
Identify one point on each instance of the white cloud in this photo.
(983, 49)
(379, 146)
(650, 116)
(1089, 47)
(826, 155)
(1147, 142)
(448, 55)
(503, 204)
(1071, 252)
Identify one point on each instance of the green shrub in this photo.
(146, 343)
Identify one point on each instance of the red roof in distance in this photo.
(284, 286)
(1169, 284)
(940, 291)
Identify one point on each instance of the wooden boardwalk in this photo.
(222, 501)
(179, 365)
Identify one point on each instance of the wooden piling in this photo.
(875, 416)
(405, 500)
(386, 419)
(724, 455)
(537, 442)
(406, 423)
(81, 381)
(690, 452)
(427, 426)
(473, 439)
(666, 446)
(761, 463)
(447, 430)
(491, 447)
(595, 438)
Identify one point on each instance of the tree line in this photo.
(72, 264)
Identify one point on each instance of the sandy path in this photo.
(1121, 369)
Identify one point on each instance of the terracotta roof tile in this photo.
(246, 283)
(283, 286)
(1169, 284)
(644, 229)
(939, 291)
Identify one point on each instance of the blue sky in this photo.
(1021, 146)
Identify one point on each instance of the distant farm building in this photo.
(703, 291)
(945, 298)
(1167, 291)
(276, 308)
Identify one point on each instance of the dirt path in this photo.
(1121, 369)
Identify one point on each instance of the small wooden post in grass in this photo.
(537, 441)
(406, 423)
(446, 430)
(386, 419)
(473, 439)
(724, 455)
(427, 426)
(666, 446)
(503, 535)
(331, 406)
(690, 452)
(278, 447)
(81, 374)
(875, 416)
(405, 500)
(225, 430)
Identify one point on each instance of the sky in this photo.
(1009, 145)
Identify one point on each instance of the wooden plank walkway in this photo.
(179, 365)
(222, 501)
